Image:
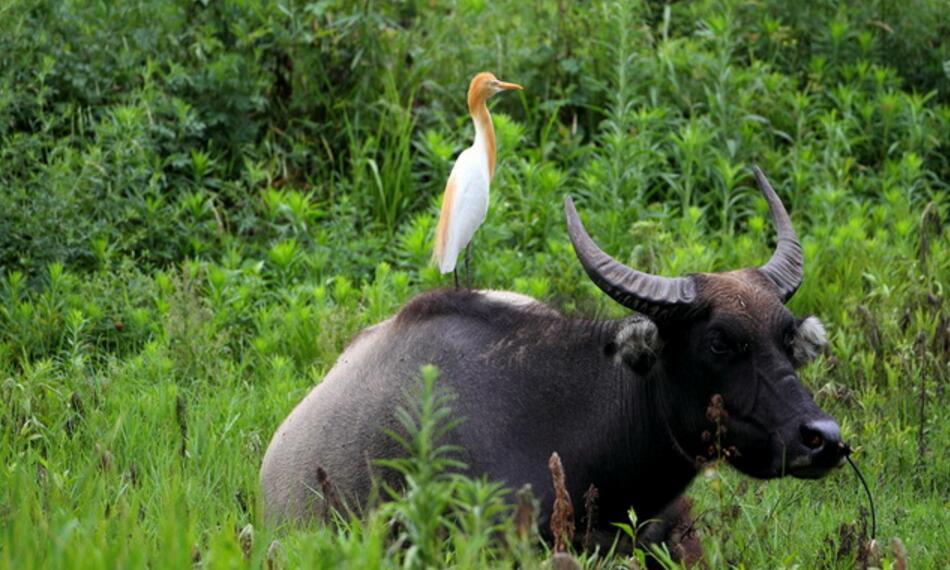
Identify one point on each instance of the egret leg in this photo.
(455, 274)
(468, 271)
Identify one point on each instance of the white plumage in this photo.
(468, 185)
(465, 201)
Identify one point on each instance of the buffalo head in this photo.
(729, 340)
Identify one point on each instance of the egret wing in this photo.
(464, 206)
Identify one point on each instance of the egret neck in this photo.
(484, 130)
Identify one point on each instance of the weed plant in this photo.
(202, 202)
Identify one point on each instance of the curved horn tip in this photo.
(785, 268)
(570, 212)
(762, 180)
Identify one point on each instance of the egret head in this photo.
(484, 85)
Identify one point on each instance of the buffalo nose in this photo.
(823, 437)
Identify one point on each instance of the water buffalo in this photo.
(624, 402)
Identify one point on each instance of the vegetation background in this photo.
(202, 201)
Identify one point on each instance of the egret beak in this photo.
(503, 86)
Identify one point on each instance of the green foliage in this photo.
(443, 518)
(425, 471)
(204, 201)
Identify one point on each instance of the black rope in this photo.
(868, 491)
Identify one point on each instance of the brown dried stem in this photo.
(590, 514)
(331, 498)
(562, 516)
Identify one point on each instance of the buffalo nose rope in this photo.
(847, 455)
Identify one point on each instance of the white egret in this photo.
(465, 201)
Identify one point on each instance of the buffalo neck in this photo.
(637, 461)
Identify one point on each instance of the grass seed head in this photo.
(562, 516)
(900, 553)
(525, 513)
(246, 540)
(274, 555)
(590, 514)
(563, 561)
(105, 457)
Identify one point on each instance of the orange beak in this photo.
(509, 86)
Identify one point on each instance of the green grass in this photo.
(203, 202)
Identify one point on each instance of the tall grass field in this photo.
(203, 201)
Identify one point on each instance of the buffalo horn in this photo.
(785, 269)
(652, 295)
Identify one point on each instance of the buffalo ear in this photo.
(810, 339)
(638, 343)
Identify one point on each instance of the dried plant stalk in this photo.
(181, 416)
(246, 540)
(525, 515)
(590, 515)
(562, 516)
(273, 559)
(684, 540)
(331, 499)
(900, 554)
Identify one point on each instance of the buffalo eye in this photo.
(719, 345)
(788, 340)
